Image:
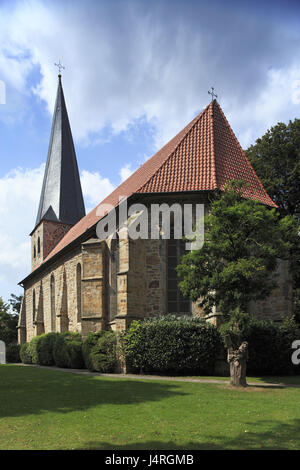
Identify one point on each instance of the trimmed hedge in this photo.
(166, 345)
(25, 354)
(67, 351)
(177, 345)
(100, 351)
(270, 344)
(33, 350)
(54, 349)
(44, 348)
(13, 353)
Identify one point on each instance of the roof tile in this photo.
(203, 156)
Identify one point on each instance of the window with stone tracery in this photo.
(33, 306)
(113, 277)
(79, 295)
(52, 300)
(177, 304)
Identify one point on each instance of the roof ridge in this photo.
(209, 154)
(242, 150)
(213, 145)
(190, 126)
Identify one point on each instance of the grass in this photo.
(47, 409)
(283, 380)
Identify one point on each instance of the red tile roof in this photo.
(203, 156)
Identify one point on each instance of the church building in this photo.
(80, 282)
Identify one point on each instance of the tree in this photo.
(276, 159)
(15, 302)
(243, 242)
(8, 324)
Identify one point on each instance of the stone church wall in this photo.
(141, 289)
(64, 272)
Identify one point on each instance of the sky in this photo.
(136, 72)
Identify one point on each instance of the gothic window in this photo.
(39, 246)
(78, 283)
(177, 304)
(113, 277)
(33, 306)
(52, 300)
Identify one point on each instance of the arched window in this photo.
(113, 277)
(34, 252)
(52, 300)
(39, 246)
(177, 304)
(33, 306)
(78, 285)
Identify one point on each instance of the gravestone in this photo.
(2, 353)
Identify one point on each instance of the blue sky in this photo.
(136, 73)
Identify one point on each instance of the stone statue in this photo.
(237, 359)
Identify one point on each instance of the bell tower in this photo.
(61, 202)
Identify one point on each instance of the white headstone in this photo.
(2, 353)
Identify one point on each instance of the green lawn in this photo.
(284, 380)
(47, 409)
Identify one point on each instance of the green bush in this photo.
(44, 348)
(25, 354)
(289, 331)
(13, 353)
(100, 351)
(33, 350)
(270, 344)
(169, 344)
(67, 351)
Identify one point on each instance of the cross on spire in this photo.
(213, 95)
(60, 66)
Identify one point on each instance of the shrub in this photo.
(33, 350)
(45, 347)
(290, 331)
(270, 344)
(13, 353)
(100, 351)
(171, 344)
(87, 346)
(25, 354)
(67, 351)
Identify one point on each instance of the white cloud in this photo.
(126, 171)
(19, 197)
(125, 62)
(276, 102)
(94, 188)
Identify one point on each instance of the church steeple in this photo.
(61, 202)
(61, 198)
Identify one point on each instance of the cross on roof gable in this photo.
(201, 157)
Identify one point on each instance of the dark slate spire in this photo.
(61, 197)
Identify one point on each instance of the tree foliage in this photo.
(276, 159)
(15, 303)
(8, 324)
(243, 241)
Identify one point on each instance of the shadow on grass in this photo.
(254, 386)
(279, 436)
(287, 380)
(28, 390)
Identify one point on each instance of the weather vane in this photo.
(213, 95)
(60, 66)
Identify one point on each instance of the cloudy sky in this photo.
(136, 72)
